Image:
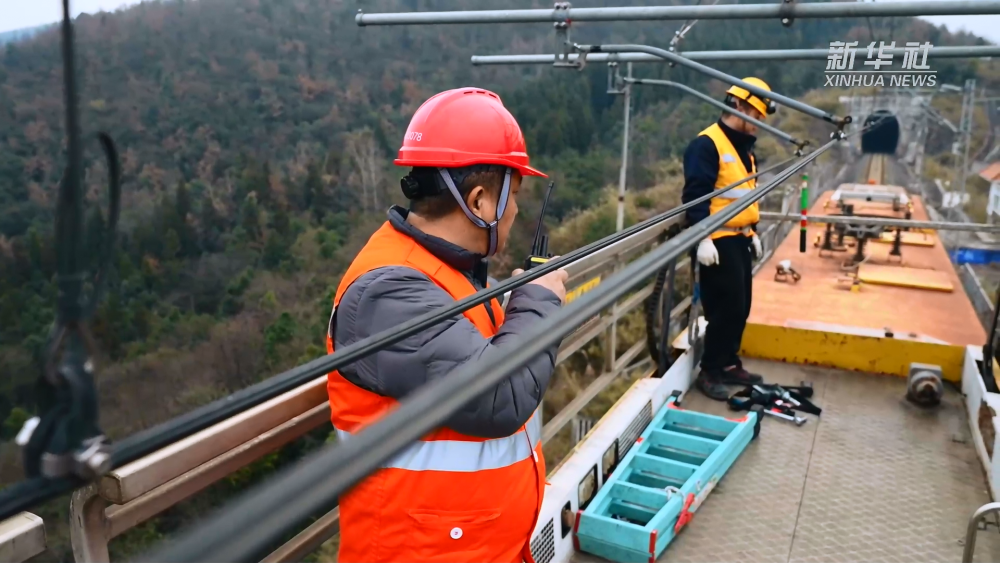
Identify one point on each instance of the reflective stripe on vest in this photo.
(731, 170)
(733, 194)
(462, 456)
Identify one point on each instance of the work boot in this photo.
(736, 375)
(710, 384)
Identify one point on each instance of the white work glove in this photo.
(758, 250)
(707, 254)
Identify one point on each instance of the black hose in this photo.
(243, 530)
(662, 303)
(665, 359)
(652, 307)
(989, 350)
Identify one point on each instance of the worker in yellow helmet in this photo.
(719, 156)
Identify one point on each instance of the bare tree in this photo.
(366, 160)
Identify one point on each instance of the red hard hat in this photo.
(463, 127)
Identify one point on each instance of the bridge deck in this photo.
(873, 479)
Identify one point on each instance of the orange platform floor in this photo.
(819, 298)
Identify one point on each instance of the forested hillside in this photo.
(257, 139)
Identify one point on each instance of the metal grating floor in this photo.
(875, 479)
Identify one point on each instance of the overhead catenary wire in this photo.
(26, 494)
(959, 52)
(245, 529)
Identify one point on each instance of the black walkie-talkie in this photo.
(540, 246)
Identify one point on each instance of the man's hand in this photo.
(758, 249)
(553, 281)
(708, 255)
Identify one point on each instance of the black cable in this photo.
(22, 496)
(246, 528)
(651, 308)
(989, 349)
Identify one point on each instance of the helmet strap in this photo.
(491, 227)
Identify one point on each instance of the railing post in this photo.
(22, 537)
(970, 533)
(89, 529)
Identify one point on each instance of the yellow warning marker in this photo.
(907, 238)
(917, 278)
(582, 288)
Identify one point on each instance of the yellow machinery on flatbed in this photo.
(874, 477)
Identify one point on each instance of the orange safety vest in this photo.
(448, 497)
(731, 169)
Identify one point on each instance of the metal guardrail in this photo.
(21, 538)
(981, 301)
(140, 490)
(970, 533)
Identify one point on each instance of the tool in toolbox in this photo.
(776, 401)
(540, 245)
(659, 485)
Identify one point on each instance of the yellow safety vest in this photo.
(731, 170)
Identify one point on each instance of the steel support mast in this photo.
(623, 173)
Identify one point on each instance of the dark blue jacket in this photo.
(385, 298)
(701, 168)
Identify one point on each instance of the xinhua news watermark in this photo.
(877, 69)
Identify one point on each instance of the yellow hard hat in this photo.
(764, 106)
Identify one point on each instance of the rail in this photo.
(138, 491)
(970, 534)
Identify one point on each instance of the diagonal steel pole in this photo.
(777, 10)
(710, 100)
(719, 75)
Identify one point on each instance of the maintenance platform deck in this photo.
(818, 299)
(873, 479)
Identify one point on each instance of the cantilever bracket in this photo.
(800, 146)
(616, 82)
(785, 12)
(564, 46)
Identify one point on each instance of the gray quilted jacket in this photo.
(385, 297)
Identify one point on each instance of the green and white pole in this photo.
(804, 191)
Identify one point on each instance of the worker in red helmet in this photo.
(471, 490)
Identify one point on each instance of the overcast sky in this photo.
(15, 14)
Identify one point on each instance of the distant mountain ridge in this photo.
(23, 33)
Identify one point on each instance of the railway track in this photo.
(875, 172)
